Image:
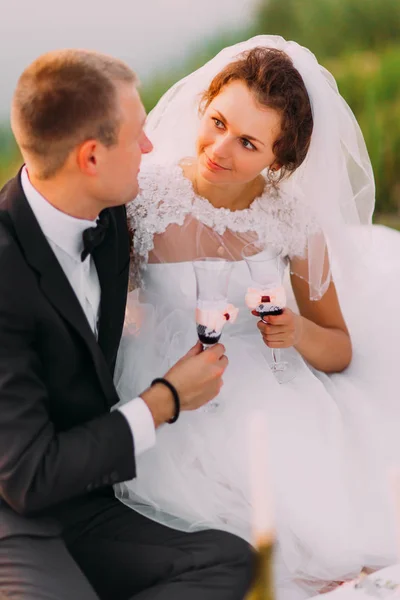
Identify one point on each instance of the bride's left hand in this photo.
(281, 331)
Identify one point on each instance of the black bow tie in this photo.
(94, 236)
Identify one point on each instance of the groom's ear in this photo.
(87, 157)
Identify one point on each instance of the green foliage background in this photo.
(357, 40)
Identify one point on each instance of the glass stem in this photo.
(276, 355)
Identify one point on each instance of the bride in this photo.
(259, 145)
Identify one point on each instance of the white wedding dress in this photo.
(332, 438)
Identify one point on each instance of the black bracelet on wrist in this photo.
(175, 395)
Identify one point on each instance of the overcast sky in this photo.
(148, 34)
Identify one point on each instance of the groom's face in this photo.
(120, 167)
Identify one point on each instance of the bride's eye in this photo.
(246, 144)
(218, 124)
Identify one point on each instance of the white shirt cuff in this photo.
(140, 420)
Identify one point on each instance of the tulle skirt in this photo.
(331, 439)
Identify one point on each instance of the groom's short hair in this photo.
(64, 98)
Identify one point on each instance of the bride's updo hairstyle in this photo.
(270, 75)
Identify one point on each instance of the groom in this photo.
(64, 262)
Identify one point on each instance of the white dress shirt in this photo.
(64, 235)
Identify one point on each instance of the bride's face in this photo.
(236, 136)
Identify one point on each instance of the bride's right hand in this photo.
(197, 376)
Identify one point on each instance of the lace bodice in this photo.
(167, 198)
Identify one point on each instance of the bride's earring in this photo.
(273, 175)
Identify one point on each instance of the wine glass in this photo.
(212, 307)
(267, 295)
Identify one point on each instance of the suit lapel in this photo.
(54, 282)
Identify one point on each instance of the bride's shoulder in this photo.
(292, 210)
(289, 219)
(164, 199)
(154, 176)
(161, 188)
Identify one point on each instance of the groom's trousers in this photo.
(117, 554)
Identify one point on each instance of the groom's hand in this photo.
(197, 376)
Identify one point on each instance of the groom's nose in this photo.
(145, 144)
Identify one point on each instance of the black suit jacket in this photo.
(59, 442)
